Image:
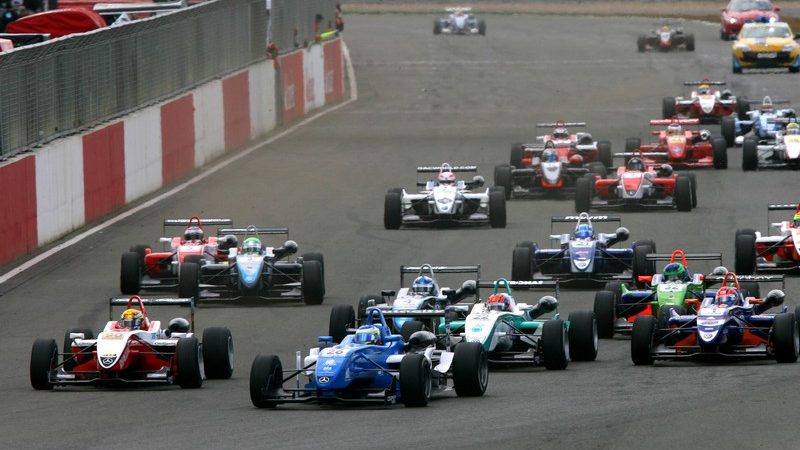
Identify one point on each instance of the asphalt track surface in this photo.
(425, 100)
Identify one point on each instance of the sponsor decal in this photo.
(324, 380)
(477, 329)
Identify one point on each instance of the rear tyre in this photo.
(583, 337)
(641, 266)
(470, 370)
(497, 207)
(632, 145)
(130, 274)
(690, 42)
(668, 107)
(605, 313)
(189, 280)
(785, 340)
(342, 318)
(482, 27)
(437, 27)
(522, 264)
(728, 129)
(218, 353)
(363, 303)
(750, 154)
(68, 360)
(266, 380)
(393, 211)
(555, 346)
(415, 380)
(641, 43)
(642, 340)
(516, 155)
(683, 193)
(604, 153)
(742, 107)
(312, 284)
(410, 327)
(720, 149)
(745, 254)
(189, 362)
(583, 194)
(597, 168)
(502, 178)
(44, 359)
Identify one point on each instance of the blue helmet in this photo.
(422, 286)
(368, 335)
(584, 231)
(549, 155)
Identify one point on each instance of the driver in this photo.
(583, 231)
(368, 335)
(635, 164)
(447, 178)
(674, 129)
(726, 297)
(675, 272)
(549, 155)
(767, 105)
(499, 302)
(193, 233)
(251, 246)
(560, 133)
(793, 128)
(422, 285)
(132, 319)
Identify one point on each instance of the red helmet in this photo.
(499, 302)
(726, 296)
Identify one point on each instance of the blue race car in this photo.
(372, 365)
(584, 255)
(760, 124)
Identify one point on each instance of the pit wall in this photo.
(74, 181)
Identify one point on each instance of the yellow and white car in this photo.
(766, 45)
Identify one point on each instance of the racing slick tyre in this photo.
(193, 259)
(642, 340)
(497, 207)
(690, 42)
(723, 35)
(319, 258)
(604, 154)
(312, 284)
(527, 244)
(266, 380)
(641, 43)
(750, 154)
(130, 273)
(794, 69)
(785, 338)
(583, 194)
(668, 107)
(750, 289)
(641, 266)
(742, 107)
(736, 69)
(218, 354)
(410, 327)
(141, 250)
(597, 168)
(189, 363)
(665, 312)
(393, 211)
(342, 318)
(683, 193)
(516, 155)
(482, 27)
(502, 178)
(728, 129)
(745, 254)
(555, 345)
(437, 27)
(363, 304)
(522, 264)
(693, 180)
(796, 315)
(720, 150)
(470, 369)
(415, 379)
(632, 145)
(605, 313)
(582, 335)
(44, 359)
(68, 359)
(189, 280)
(649, 242)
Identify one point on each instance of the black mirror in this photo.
(420, 340)
(622, 234)
(774, 297)
(546, 304)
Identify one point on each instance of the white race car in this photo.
(459, 21)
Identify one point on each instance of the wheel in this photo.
(266, 380)
(555, 346)
(312, 283)
(720, 151)
(130, 273)
(189, 363)
(393, 211)
(683, 193)
(410, 327)
(642, 340)
(723, 35)
(218, 354)
(605, 313)
(470, 369)
(668, 107)
(632, 145)
(745, 254)
(597, 168)
(502, 178)
(615, 287)
(737, 69)
(189, 280)
(363, 303)
(583, 194)
(728, 129)
(649, 242)
(641, 43)
(794, 69)
(497, 207)
(750, 154)
(785, 339)
(750, 289)
(690, 42)
(415, 379)
(604, 153)
(583, 337)
(68, 360)
(693, 183)
(44, 359)
(665, 312)
(342, 318)
(528, 244)
(522, 264)
(516, 156)
(482, 27)
(742, 107)
(317, 257)
(641, 266)
(437, 27)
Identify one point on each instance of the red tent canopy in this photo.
(58, 22)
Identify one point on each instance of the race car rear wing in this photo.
(459, 8)
(782, 207)
(708, 82)
(186, 222)
(715, 279)
(123, 301)
(687, 256)
(661, 122)
(560, 124)
(784, 101)
(651, 154)
(253, 230)
(437, 169)
(441, 269)
(572, 219)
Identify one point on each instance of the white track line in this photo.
(215, 168)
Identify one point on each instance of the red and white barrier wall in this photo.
(75, 180)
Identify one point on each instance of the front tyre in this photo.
(470, 369)
(44, 360)
(393, 210)
(189, 363)
(750, 154)
(720, 152)
(642, 340)
(522, 264)
(497, 207)
(415, 380)
(745, 254)
(605, 312)
(555, 346)
(312, 284)
(342, 318)
(785, 339)
(683, 193)
(502, 178)
(218, 353)
(583, 339)
(266, 380)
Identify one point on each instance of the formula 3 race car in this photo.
(728, 323)
(579, 148)
(666, 37)
(783, 153)
(446, 201)
(459, 21)
(135, 351)
(760, 123)
(681, 149)
(372, 365)
(756, 252)
(706, 104)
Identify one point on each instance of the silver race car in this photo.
(459, 21)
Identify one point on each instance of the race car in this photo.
(681, 149)
(728, 323)
(783, 153)
(372, 366)
(619, 304)
(739, 12)
(760, 124)
(637, 186)
(706, 104)
(762, 252)
(766, 45)
(584, 255)
(143, 268)
(135, 350)
(446, 201)
(579, 148)
(665, 38)
(255, 270)
(459, 21)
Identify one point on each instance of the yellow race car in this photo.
(765, 45)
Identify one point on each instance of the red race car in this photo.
(135, 350)
(739, 12)
(757, 252)
(566, 144)
(143, 268)
(682, 149)
(707, 104)
(637, 186)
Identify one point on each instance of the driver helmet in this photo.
(674, 129)
(674, 272)
(704, 89)
(368, 335)
(549, 155)
(251, 245)
(726, 296)
(635, 164)
(131, 319)
(797, 219)
(793, 128)
(560, 133)
(767, 105)
(499, 302)
(447, 177)
(422, 285)
(583, 231)
(665, 28)
(193, 233)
